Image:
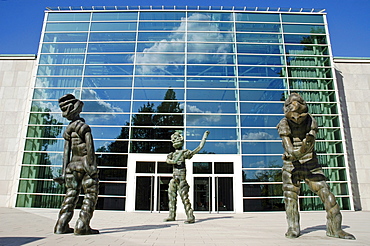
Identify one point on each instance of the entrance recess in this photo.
(213, 186)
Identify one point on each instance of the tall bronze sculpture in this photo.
(79, 170)
(178, 182)
(298, 132)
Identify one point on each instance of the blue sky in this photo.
(21, 20)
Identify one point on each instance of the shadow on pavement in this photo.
(17, 241)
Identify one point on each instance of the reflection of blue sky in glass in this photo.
(262, 161)
(215, 147)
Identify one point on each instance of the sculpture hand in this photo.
(60, 180)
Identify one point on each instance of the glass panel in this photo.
(152, 133)
(111, 203)
(151, 147)
(262, 161)
(211, 70)
(211, 107)
(60, 70)
(65, 37)
(68, 16)
(160, 36)
(145, 167)
(204, 82)
(156, 119)
(304, 28)
(110, 174)
(113, 47)
(260, 108)
(53, 93)
(163, 167)
(211, 120)
(114, 16)
(67, 27)
(159, 70)
(160, 26)
(112, 36)
(34, 158)
(113, 26)
(109, 69)
(260, 134)
(302, 18)
(331, 160)
(206, 26)
(211, 47)
(107, 81)
(45, 131)
(306, 50)
(264, 83)
(39, 201)
(262, 190)
(159, 82)
(259, 95)
(258, 38)
(64, 48)
(257, 27)
(305, 39)
(144, 193)
(308, 61)
(254, 205)
(158, 94)
(314, 203)
(338, 189)
(106, 94)
(260, 48)
(262, 148)
(203, 34)
(154, 58)
(257, 17)
(107, 119)
(47, 119)
(216, 147)
(202, 194)
(309, 72)
(223, 95)
(216, 133)
(112, 189)
(40, 172)
(162, 194)
(264, 175)
(40, 186)
(261, 71)
(153, 15)
(260, 60)
(45, 106)
(111, 58)
(107, 106)
(111, 160)
(324, 84)
(163, 47)
(224, 167)
(61, 59)
(166, 106)
(202, 16)
(202, 167)
(211, 59)
(111, 146)
(224, 196)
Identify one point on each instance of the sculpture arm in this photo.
(90, 164)
(66, 160)
(202, 142)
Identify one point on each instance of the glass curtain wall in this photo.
(143, 74)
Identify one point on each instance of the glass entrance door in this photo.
(213, 186)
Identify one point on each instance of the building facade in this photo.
(144, 73)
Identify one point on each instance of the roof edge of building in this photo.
(17, 56)
(342, 59)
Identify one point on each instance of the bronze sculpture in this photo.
(298, 131)
(79, 170)
(178, 182)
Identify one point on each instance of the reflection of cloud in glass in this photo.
(207, 118)
(204, 32)
(257, 135)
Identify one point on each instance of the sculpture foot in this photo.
(341, 234)
(291, 233)
(59, 230)
(190, 220)
(86, 232)
(169, 219)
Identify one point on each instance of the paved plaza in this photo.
(20, 226)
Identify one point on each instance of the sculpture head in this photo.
(177, 140)
(71, 107)
(295, 108)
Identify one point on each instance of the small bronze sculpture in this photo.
(178, 182)
(79, 170)
(298, 132)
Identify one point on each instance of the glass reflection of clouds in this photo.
(260, 134)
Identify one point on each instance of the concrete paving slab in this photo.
(32, 226)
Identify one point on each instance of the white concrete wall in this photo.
(353, 76)
(15, 82)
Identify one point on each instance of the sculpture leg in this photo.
(184, 194)
(172, 199)
(334, 217)
(291, 193)
(73, 186)
(91, 188)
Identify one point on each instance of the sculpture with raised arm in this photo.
(298, 133)
(178, 182)
(79, 170)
